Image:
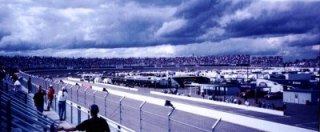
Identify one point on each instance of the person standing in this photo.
(94, 124)
(202, 92)
(39, 99)
(50, 97)
(62, 98)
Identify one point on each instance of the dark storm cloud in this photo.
(300, 18)
(262, 26)
(199, 16)
(309, 40)
(155, 2)
(3, 34)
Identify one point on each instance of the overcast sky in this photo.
(154, 28)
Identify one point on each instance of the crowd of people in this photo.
(35, 62)
(305, 62)
(267, 61)
(95, 123)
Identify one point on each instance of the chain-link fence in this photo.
(124, 111)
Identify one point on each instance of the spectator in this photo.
(50, 97)
(235, 100)
(51, 62)
(17, 86)
(246, 102)
(94, 124)
(202, 92)
(62, 98)
(39, 99)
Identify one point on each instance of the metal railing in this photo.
(75, 112)
(17, 114)
(122, 111)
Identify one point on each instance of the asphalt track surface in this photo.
(305, 117)
(154, 117)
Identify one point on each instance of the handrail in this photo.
(117, 124)
(41, 122)
(19, 115)
(18, 108)
(18, 102)
(23, 106)
(17, 124)
(16, 117)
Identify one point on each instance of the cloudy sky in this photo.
(154, 28)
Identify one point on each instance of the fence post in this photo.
(45, 83)
(88, 114)
(55, 102)
(9, 119)
(85, 97)
(94, 97)
(46, 90)
(71, 92)
(71, 113)
(105, 104)
(121, 109)
(169, 119)
(140, 115)
(78, 94)
(79, 114)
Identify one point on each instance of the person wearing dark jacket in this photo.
(38, 99)
(94, 124)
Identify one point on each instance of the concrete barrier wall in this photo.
(107, 85)
(256, 109)
(69, 82)
(228, 117)
(73, 79)
(241, 120)
(121, 87)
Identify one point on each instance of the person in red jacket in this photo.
(50, 97)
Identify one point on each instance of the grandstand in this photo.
(25, 62)
(15, 105)
(135, 108)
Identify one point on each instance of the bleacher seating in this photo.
(17, 112)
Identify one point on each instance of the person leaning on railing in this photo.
(62, 98)
(94, 124)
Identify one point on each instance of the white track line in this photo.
(229, 117)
